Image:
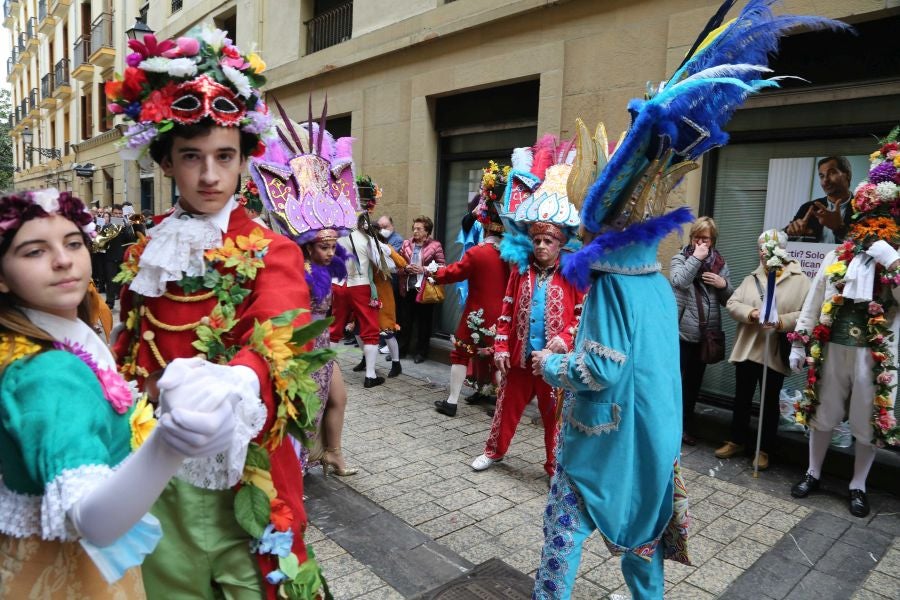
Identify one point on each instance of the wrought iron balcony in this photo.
(61, 74)
(47, 85)
(82, 53)
(23, 40)
(7, 11)
(42, 10)
(101, 32)
(330, 28)
(10, 63)
(31, 28)
(33, 99)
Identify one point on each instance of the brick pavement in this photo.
(414, 466)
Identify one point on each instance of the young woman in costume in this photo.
(73, 503)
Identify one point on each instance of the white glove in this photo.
(195, 434)
(883, 253)
(797, 359)
(432, 267)
(197, 385)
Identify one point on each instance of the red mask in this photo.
(203, 97)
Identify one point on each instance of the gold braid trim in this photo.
(197, 298)
(165, 326)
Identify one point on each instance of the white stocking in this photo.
(394, 347)
(818, 447)
(370, 352)
(457, 377)
(862, 462)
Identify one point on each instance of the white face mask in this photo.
(386, 233)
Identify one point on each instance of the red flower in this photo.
(150, 47)
(259, 150)
(889, 147)
(821, 333)
(251, 187)
(281, 515)
(879, 357)
(158, 105)
(133, 84)
(113, 90)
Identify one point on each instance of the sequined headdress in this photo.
(305, 180)
(202, 75)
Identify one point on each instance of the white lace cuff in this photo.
(24, 515)
(223, 471)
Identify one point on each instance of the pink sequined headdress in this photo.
(308, 185)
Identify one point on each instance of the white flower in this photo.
(214, 37)
(238, 80)
(825, 319)
(773, 262)
(780, 252)
(157, 64)
(886, 190)
(47, 199)
(475, 337)
(182, 67)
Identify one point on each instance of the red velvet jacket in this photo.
(487, 274)
(278, 287)
(562, 311)
(431, 251)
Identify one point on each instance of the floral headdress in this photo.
(772, 243)
(369, 192)
(876, 201)
(18, 208)
(201, 75)
(493, 187)
(249, 196)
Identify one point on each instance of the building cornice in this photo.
(98, 140)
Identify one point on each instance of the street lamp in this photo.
(138, 30)
(28, 138)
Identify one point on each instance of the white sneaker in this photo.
(482, 462)
(384, 350)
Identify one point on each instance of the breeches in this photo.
(353, 301)
(846, 386)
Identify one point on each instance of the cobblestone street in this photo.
(416, 516)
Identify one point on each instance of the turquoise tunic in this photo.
(621, 430)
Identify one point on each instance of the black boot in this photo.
(371, 382)
(445, 408)
(859, 503)
(396, 369)
(361, 366)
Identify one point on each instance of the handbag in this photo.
(712, 340)
(430, 292)
(784, 344)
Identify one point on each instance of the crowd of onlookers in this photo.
(118, 226)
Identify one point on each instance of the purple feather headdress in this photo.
(318, 277)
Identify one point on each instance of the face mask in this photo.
(117, 221)
(385, 233)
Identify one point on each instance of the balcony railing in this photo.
(6, 9)
(18, 115)
(42, 10)
(23, 107)
(61, 73)
(10, 63)
(101, 32)
(31, 28)
(47, 85)
(82, 50)
(15, 54)
(33, 99)
(11, 121)
(330, 28)
(23, 39)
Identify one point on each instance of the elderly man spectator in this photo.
(386, 229)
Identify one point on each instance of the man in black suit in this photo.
(115, 250)
(826, 219)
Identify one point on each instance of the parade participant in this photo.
(624, 401)
(540, 308)
(209, 280)
(113, 240)
(68, 420)
(356, 295)
(315, 176)
(487, 275)
(850, 322)
(249, 199)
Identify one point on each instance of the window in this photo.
(176, 6)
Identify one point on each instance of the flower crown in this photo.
(16, 209)
(202, 75)
(876, 201)
(493, 186)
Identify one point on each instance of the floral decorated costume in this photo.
(618, 461)
(48, 462)
(221, 287)
(851, 323)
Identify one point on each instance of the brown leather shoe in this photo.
(728, 450)
(763, 461)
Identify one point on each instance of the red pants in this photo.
(353, 301)
(515, 394)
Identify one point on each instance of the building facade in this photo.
(433, 89)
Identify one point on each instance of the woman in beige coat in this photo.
(744, 305)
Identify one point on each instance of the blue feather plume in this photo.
(516, 247)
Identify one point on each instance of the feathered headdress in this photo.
(305, 179)
(200, 76)
(490, 194)
(676, 123)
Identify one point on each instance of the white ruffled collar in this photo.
(73, 331)
(177, 246)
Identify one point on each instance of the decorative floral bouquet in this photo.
(775, 256)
